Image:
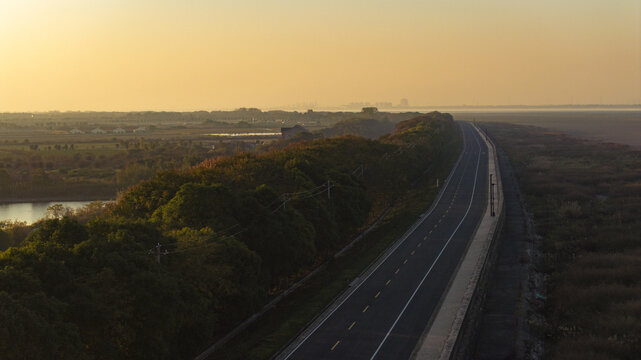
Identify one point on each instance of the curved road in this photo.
(384, 316)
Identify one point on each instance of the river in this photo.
(33, 211)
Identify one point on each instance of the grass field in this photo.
(585, 198)
(623, 127)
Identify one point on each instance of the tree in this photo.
(58, 211)
(197, 206)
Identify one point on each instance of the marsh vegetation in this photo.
(585, 197)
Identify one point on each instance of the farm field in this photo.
(95, 155)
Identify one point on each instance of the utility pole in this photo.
(491, 196)
(158, 246)
(156, 250)
(437, 182)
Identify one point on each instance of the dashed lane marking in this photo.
(335, 345)
(351, 326)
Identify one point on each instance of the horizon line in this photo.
(345, 108)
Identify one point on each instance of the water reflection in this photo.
(32, 212)
(246, 134)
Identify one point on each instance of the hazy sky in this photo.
(220, 54)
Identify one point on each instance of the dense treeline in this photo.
(363, 127)
(242, 117)
(586, 202)
(228, 233)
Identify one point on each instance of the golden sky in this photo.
(223, 54)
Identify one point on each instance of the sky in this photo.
(122, 55)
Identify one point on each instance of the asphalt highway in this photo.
(385, 315)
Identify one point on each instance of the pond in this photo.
(33, 211)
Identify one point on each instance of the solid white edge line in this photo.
(437, 257)
(384, 259)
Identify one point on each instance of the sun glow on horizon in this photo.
(171, 55)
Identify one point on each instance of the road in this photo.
(386, 312)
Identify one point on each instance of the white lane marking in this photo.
(435, 260)
(440, 196)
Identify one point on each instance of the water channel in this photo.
(33, 211)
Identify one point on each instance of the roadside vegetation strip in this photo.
(586, 202)
(272, 303)
(277, 327)
(354, 285)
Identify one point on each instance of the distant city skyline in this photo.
(114, 55)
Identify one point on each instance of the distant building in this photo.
(76, 131)
(119, 131)
(98, 131)
(384, 105)
(141, 129)
(404, 103)
(288, 132)
(370, 110)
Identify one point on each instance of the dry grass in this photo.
(586, 201)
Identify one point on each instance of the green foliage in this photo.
(235, 230)
(369, 128)
(197, 206)
(5, 240)
(133, 174)
(12, 233)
